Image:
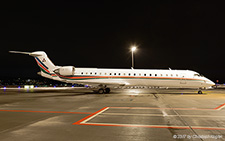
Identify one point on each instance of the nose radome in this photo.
(210, 82)
(213, 83)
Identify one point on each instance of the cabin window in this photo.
(114, 73)
(155, 74)
(161, 75)
(145, 74)
(105, 73)
(176, 75)
(139, 74)
(124, 74)
(90, 72)
(129, 74)
(150, 74)
(118, 73)
(82, 73)
(134, 74)
(86, 72)
(166, 74)
(95, 73)
(110, 73)
(171, 74)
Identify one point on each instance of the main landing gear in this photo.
(104, 90)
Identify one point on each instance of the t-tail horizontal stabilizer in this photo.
(20, 52)
(28, 53)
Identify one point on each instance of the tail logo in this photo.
(42, 65)
(43, 60)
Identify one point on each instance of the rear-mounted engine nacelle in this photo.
(66, 71)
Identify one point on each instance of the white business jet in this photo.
(106, 78)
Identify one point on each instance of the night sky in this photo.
(99, 34)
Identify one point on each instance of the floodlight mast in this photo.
(132, 51)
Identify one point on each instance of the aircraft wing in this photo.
(99, 84)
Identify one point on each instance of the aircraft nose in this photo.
(211, 83)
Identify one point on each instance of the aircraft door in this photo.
(183, 79)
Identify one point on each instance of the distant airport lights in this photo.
(132, 51)
(28, 86)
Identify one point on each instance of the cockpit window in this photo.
(196, 75)
(199, 75)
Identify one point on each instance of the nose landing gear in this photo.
(200, 92)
